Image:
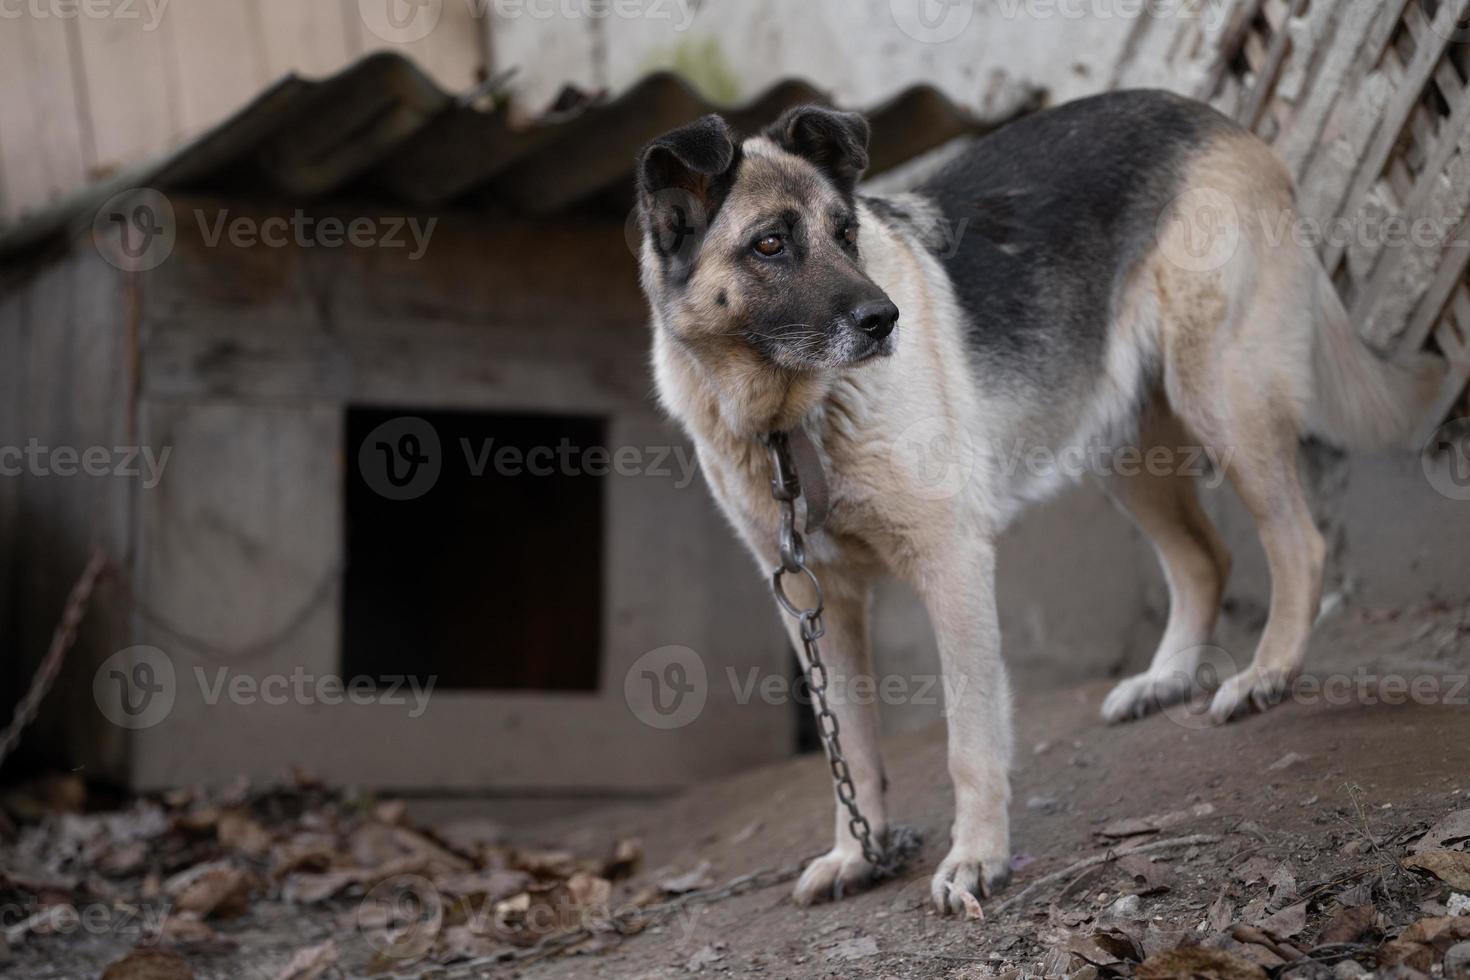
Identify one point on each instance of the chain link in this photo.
(786, 488)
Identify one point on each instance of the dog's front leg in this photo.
(845, 652)
(957, 582)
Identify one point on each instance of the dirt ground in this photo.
(1300, 821)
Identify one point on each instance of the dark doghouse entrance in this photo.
(485, 573)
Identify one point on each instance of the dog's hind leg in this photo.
(1163, 503)
(846, 654)
(1238, 386)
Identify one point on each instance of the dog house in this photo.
(363, 374)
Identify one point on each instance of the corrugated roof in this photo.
(383, 129)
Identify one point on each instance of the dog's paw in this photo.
(1253, 689)
(838, 872)
(1144, 693)
(963, 873)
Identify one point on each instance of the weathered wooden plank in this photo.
(129, 90)
(43, 145)
(219, 61)
(1426, 58)
(306, 38)
(1329, 82)
(452, 51)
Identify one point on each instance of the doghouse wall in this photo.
(67, 379)
(251, 358)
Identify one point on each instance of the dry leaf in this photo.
(689, 881)
(1452, 831)
(1286, 923)
(239, 832)
(1450, 867)
(626, 856)
(857, 948)
(310, 963)
(1221, 916)
(211, 889)
(1348, 925)
(1149, 877)
(1441, 933)
(1196, 962)
(149, 964)
(588, 891)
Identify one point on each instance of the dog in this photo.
(1100, 273)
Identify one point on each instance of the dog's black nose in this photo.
(876, 318)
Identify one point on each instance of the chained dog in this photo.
(1101, 273)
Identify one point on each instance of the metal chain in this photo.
(786, 488)
(61, 641)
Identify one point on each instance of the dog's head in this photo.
(757, 243)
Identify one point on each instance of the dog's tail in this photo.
(1363, 402)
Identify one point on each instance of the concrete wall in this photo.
(862, 51)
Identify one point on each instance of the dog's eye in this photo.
(770, 245)
(848, 233)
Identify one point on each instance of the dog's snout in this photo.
(876, 318)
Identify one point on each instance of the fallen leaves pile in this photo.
(180, 872)
(1405, 913)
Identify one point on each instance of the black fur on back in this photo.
(1057, 208)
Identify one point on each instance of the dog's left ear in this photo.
(837, 142)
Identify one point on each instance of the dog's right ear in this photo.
(682, 178)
